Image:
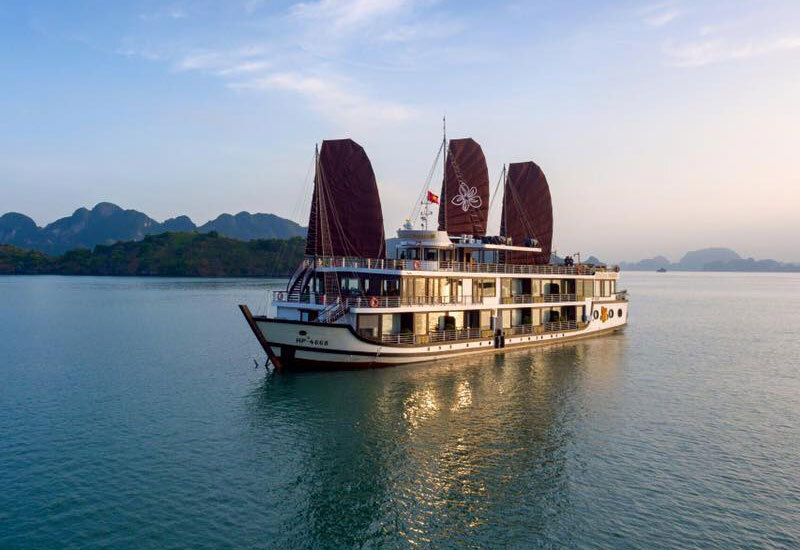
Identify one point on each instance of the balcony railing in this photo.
(548, 298)
(404, 301)
(439, 336)
(559, 326)
(436, 337)
(453, 267)
(556, 326)
(524, 329)
(376, 301)
(400, 301)
(539, 298)
(521, 299)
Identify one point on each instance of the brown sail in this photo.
(527, 212)
(346, 217)
(465, 190)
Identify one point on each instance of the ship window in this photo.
(619, 313)
(349, 285)
(488, 287)
(431, 254)
(391, 287)
(308, 315)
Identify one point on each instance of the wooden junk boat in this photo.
(436, 293)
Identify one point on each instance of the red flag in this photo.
(433, 198)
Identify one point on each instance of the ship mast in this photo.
(444, 163)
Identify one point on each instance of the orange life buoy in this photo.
(373, 302)
(417, 265)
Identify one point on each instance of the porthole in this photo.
(610, 313)
(596, 314)
(619, 312)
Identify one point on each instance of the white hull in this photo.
(326, 345)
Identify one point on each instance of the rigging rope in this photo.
(523, 215)
(423, 194)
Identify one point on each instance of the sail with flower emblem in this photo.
(464, 201)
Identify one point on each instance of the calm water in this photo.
(131, 416)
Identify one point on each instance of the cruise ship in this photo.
(432, 293)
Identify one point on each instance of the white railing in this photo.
(439, 336)
(453, 267)
(376, 301)
(434, 337)
(404, 301)
(400, 301)
(457, 334)
(545, 327)
(548, 298)
(539, 298)
(400, 338)
(559, 325)
(522, 329)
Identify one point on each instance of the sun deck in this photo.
(446, 266)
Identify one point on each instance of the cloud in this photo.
(246, 67)
(662, 18)
(696, 54)
(313, 38)
(660, 14)
(169, 12)
(239, 60)
(250, 6)
(142, 53)
(345, 15)
(329, 98)
(418, 31)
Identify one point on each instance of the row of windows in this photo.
(442, 286)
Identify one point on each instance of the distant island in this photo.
(171, 254)
(108, 240)
(107, 223)
(710, 259)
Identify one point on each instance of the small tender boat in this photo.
(661, 270)
(435, 293)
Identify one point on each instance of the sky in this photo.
(662, 126)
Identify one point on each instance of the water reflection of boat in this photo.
(451, 291)
(430, 456)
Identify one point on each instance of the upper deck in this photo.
(422, 267)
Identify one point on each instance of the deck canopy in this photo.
(346, 217)
(465, 190)
(527, 212)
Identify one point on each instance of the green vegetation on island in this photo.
(171, 254)
(107, 223)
